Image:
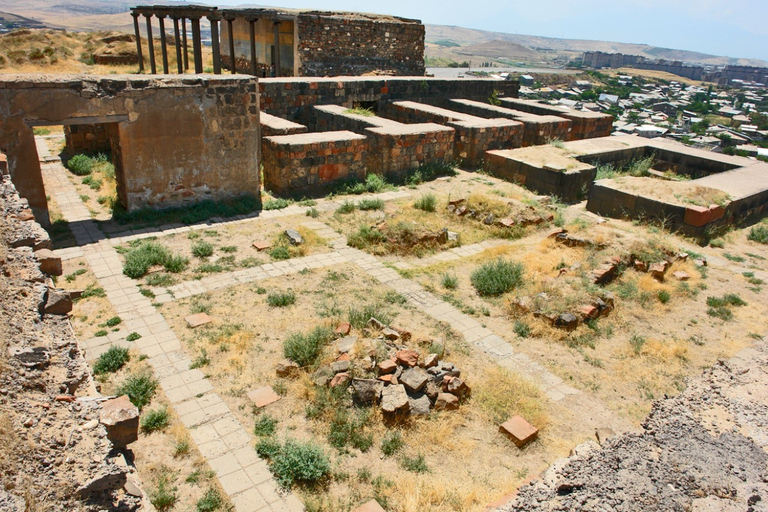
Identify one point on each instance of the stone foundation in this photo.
(584, 124)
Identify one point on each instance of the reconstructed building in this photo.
(283, 42)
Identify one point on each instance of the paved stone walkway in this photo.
(219, 436)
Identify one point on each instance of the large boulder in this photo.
(121, 418)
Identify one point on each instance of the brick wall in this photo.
(354, 44)
(392, 154)
(87, 138)
(584, 125)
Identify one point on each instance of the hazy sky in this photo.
(736, 28)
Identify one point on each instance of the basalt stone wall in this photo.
(584, 125)
(291, 98)
(393, 154)
(181, 139)
(354, 44)
(87, 138)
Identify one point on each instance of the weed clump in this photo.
(759, 234)
(139, 259)
(391, 443)
(450, 281)
(297, 462)
(265, 426)
(497, 277)
(140, 389)
(304, 349)
(720, 307)
(80, 165)
(371, 204)
(202, 249)
(281, 299)
(210, 501)
(155, 420)
(426, 202)
(111, 360)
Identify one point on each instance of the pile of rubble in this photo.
(56, 449)
(405, 382)
(519, 214)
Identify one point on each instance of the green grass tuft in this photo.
(427, 203)
(304, 349)
(497, 277)
(111, 360)
(281, 299)
(140, 388)
(155, 420)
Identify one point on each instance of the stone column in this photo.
(150, 45)
(186, 48)
(177, 40)
(164, 50)
(215, 47)
(277, 48)
(252, 36)
(138, 40)
(197, 45)
(232, 57)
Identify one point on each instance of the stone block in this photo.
(58, 302)
(697, 216)
(121, 418)
(263, 396)
(262, 245)
(49, 262)
(446, 402)
(394, 400)
(197, 320)
(519, 430)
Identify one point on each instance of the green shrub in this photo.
(415, 464)
(391, 443)
(265, 426)
(375, 183)
(276, 204)
(522, 329)
(140, 389)
(71, 277)
(426, 202)
(160, 279)
(210, 501)
(139, 259)
(347, 429)
(80, 165)
(365, 236)
(133, 336)
(718, 243)
(268, 447)
(304, 349)
(663, 296)
(163, 496)
(450, 281)
(155, 420)
(299, 462)
(497, 277)
(101, 333)
(759, 234)
(371, 204)
(111, 360)
(280, 253)
(281, 299)
(346, 207)
(734, 257)
(202, 249)
(359, 316)
(115, 320)
(729, 299)
(312, 212)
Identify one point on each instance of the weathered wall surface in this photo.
(87, 138)
(179, 139)
(353, 44)
(584, 125)
(290, 97)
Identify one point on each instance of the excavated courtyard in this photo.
(588, 337)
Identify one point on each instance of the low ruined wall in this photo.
(291, 98)
(392, 154)
(181, 139)
(87, 138)
(354, 44)
(584, 125)
(311, 163)
(568, 185)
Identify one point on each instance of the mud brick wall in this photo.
(584, 125)
(87, 138)
(392, 154)
(568, 185)
(347, 44)
(290, 98)
(474, 135)
(309, 164)
(181, 139)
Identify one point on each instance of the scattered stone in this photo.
(387, 366)
(658, 269)
(519, 430)
(604, 274)
(390, 334)
(609, 298)
(700, 262)
(602, 434)
(346, 344)
(37, 357)
(197, 320)
(343, 328)
(456, 386)
(394, 400)
(49, 262)
(640, 266)
(110, 478)
(568, 321)
(366, 391)
(456, 202)
(429, 361)
(376, 324)
(522, 305)
(294, 237)
(287, 368)
(681, 275)
(588, 311)
(58, 302)
(121, 418)
(263, 396)
(488, 220)
(340, 366)
(133, 488)
(506, 222)
(370, 506)
(340, 379)
(262, 245)
(461, 210)
(419, 405)
(390, 378)
(407, 357)
(322, 376)
(446, 402)
(414, 379)
(432, 390)
(404, 335)
(682, 256)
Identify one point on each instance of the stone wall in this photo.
(309, 164)
(392, 154)
(584, 125)
(180, 139)
(87, 138)
(334, 44)
(290, 98)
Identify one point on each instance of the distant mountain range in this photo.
(459, 43)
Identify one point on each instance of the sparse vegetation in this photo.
(155, 420)
(427, 203)
(111, 361)
(210, 501)
(140, 258)
(450, 281)
(202, 249)
(297, 462)
(304, 349)
(759, 234)
(281, 299)
(265, 425)
(140, 388)
(497, 277)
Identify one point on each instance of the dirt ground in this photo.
(675, 192)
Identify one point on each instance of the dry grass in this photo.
(500, 394)
(676, 192)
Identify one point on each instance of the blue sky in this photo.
(736, 28)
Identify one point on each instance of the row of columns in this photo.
(182, 50)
